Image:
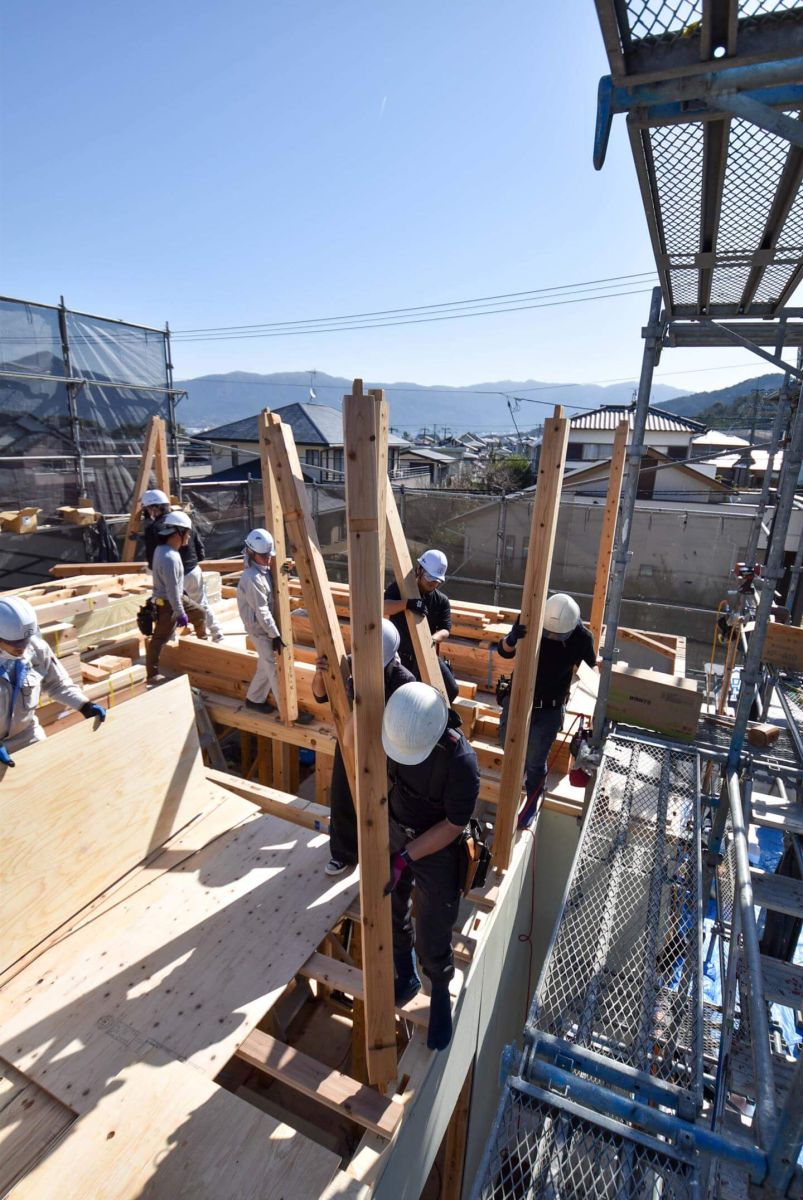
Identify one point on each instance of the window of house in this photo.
(676, 452)
(574, 451)
(592, 451)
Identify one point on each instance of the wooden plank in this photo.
(648, 641)
(534, 596)
(365, 434)
(312, 575)
(332, 1088)
(160, 462)
(270, 800)
(351, 980)
(287, 698)
(76, 815)
(193, 961)
(149, 448)
(605, 554)
(404, 572)
(783, 982)
(778, 892)
(65, 570)
(68, 608)
(161, 1131)
(30, 1121)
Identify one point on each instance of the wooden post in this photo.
(285, 767)
(311, 568)
(160, 465)
(288, 697)
(534, 597)
(606, 540)
(365, 426)
(403, 569)
(154, 433)
(323, 777)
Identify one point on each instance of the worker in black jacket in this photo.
(565, 643)
(434, 786)
(430, 573)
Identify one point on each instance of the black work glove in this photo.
(278, 644)
(90, 710)
(517, 632)
(416, 606)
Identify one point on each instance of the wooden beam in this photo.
(615, 476)
(65, 570)
(160, 464)
(534, 597)
(351, 980)
(149, 449)
(365, 436)
(454, 1153)
(287, 698)
(329, 1087)
(280, 804)
(404, 571)
(311, 569)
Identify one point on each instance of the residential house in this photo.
(318, 433)
(591, 434)
(425, 466)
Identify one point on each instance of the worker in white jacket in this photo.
(255, 604)
(29, 667)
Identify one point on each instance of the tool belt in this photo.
(505, 683)
(146, 617)
(476, 857)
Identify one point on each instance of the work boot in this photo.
(263, 706)
(439, 1033)
(408, 981)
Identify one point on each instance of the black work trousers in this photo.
(437, 880)
(342, 814)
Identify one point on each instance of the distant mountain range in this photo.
(217, 399)
(697, 404)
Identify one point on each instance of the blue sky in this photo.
(220, 164)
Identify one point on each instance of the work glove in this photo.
(517, 632)
(278, 644)
(5, 758)
(399, 862)
(416, 606)
(182, 620)
(90, 710)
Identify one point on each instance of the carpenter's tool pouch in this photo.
(503, 687)
(146, 618)
(476, 856)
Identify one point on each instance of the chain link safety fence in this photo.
(75, 394)
(622, 984)
(668, 20)
(548, 1148)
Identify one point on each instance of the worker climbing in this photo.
(430, 602)
(434, 787)
(29, 667)
(565, 643)
(173, 606)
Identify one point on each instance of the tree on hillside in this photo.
(510, 474)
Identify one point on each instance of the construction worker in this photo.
(565, 643)
(434, 786)
(174, 606)
(155, 507)
(342, 815)
(29, 667)
(255, 605)
(430, 574)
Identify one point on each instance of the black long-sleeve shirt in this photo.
(556, 662)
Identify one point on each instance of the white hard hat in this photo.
(154, 497)
(434, 563)
(17, 620)
(415, 718)
(260, 541)
(174, 521)
(561, 615)
(390, 641)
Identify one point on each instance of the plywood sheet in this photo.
(163, 1131)
(80, 810)
(30, 1121)
(191, 962)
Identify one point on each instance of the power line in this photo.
(418, 308)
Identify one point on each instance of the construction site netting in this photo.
(76, 392)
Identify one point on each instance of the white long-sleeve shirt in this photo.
(255, 600)
(168, 577)
(42, 671)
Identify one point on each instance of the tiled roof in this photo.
(658, 420)
(312, 425)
